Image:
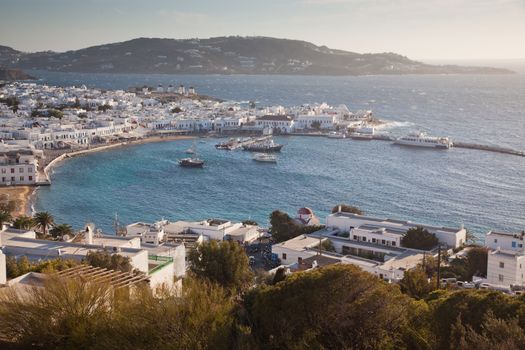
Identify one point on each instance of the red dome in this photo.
(305, 211)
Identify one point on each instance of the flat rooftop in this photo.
(392, 224)
(299, 243)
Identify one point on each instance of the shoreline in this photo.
(27, 197)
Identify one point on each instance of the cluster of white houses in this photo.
(370, 243)
(374, 244)
(157, 250)
(50, 117)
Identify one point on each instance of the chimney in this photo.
(89, 235)
(339, 209)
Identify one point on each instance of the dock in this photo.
(489, 148)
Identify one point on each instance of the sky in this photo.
(419, 29)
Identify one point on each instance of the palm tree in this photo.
(23, 222)
(5, 216)
(43, 220)
(61, 230)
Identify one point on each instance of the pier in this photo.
(489, 148)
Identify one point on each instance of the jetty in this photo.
(488, 148)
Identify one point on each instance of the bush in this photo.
(109, 261)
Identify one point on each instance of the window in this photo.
(363, 239)
(355, 238)
(3, 171)
(393, 243)
(383, 241)
(12, 170)
(373, 240)
(501, 264)
(495, 240)
(21, 178)
(12, 178)
(500, 278)
(21, 170)
(513, 244)
(284, 256)
(30, 178)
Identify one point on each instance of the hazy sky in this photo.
(439, 29)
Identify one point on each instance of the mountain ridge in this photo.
(226, 55)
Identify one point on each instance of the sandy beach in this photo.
(21, 194)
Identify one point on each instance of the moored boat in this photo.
(265, 146)
(265, 158)
(191, 162)
(423, 140)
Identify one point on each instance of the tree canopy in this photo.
(335, 307)
(346, 208)
(43, 220)
(109, 261)
(419, 238)
(24, 222)
(225, 263)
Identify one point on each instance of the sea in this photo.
(481, 190)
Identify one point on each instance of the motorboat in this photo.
(191, 163)
(264, 158)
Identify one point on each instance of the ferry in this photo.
(191, 163)
(265, 146)
(264, 158)
(422, 140)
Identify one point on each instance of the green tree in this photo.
(419, 238)
(250, 222)
(43, 220)
(109, 261)
(282, 226)
(477, 259)
(60, 230)
(472, 306)
(416, 284)
(495, 334)
(335, 307)
(224, 263)
(315, 125)
(23, 222)
(5, 216)
(346, 208)
(55, 113)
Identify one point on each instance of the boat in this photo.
(191, 162)
(422, 140)
(229, 145)
(264, 146)
(336, 135)
(191, 150)
(264, 158)
(361, 137)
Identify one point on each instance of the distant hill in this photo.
(8, 74)
(227, 55)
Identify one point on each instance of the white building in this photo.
(216, 229)
(18, 165)
(325, 121)
(148, 233)
(506, 268)
(282, 123)
(506, 259)
(388, 231)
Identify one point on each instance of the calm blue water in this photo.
(481, 190)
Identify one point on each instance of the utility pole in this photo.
(438, 285)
